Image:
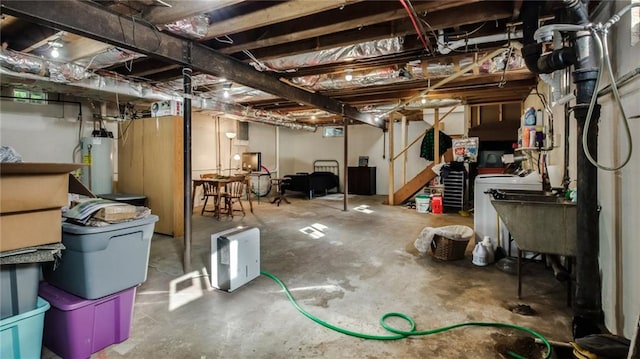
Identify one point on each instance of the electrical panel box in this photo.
(167, 108)
(235, 257)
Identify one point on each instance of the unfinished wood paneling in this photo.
(150, 163)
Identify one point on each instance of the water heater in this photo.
(97, 155)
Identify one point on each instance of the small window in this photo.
(39, 98)
(21, 95)
(26, 96)
(333, 131)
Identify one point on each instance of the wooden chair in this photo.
(209, 190)
(234, 190)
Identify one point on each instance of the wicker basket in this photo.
(448, 249)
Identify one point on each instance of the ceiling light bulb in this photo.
(313, 117)
(55, 53)
(230, 135)
(348, 76)
(424, 100)
(225, 94)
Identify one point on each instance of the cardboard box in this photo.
(34, 186)
(31, 197)
(30, 229)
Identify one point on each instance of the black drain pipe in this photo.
(587, 304)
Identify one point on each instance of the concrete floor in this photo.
(363, 266)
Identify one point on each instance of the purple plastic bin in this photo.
(75, 327)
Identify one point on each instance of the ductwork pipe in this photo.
(20, 67)
(445, 48)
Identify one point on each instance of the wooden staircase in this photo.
(418, 182)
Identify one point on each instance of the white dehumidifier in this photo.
(235, 257)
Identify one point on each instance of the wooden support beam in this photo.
(403, 129)
(391, 187)
(179, 10)
(280, 12)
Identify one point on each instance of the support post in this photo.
(345, 202)
(186, 148)
(391, 194)
(436, 135)
(403, 146)
(186, 145)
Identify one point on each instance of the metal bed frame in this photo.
(332, 166)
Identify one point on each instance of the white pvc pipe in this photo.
(448, 47)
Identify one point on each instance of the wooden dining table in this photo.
(219, 183)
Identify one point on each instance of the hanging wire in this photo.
(422, 30)
(225, 40)
(433, 32)
(415, 24)
(467, 34)
(503, 80)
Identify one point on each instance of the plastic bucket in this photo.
(422, 203)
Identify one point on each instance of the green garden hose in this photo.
(401, 334)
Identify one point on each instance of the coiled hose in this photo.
(401, 334)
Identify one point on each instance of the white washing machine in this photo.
(485, 217)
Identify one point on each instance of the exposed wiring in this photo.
(225, 39)
(503, 80)
(422, 30)
(603, 54)
(467, 34)
(415, 24)
(547, 109)
(444, 44)
(402, 334)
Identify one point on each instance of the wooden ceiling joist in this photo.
(438, 20)
(179, 10)
(280, 12)
(354, 17)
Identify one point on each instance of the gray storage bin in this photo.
(18, 288)
(99, 261)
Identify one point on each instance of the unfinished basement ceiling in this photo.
(273, 59)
